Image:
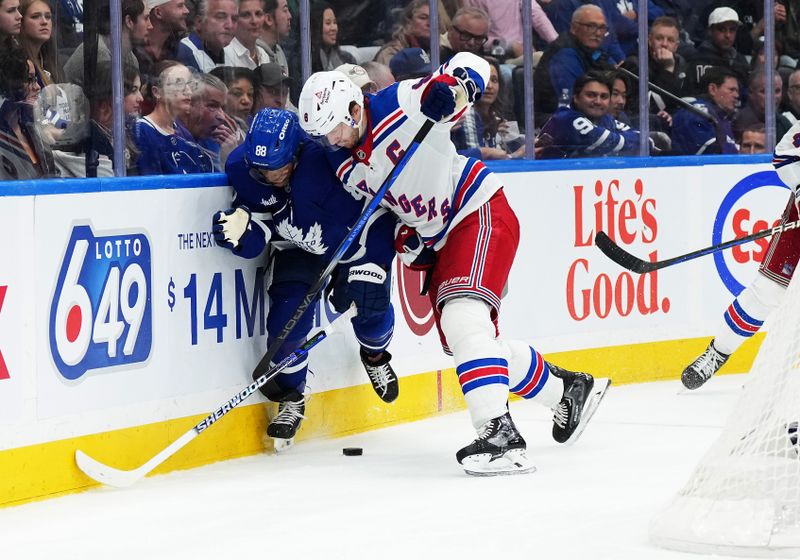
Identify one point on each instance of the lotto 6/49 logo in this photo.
(101, 314)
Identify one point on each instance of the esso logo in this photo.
(417, 309)
(747, 209)
(101, 312)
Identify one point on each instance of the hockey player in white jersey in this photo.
(453, 208)
(746, 314)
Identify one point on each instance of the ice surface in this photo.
(406, 497)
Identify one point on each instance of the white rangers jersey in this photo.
(786, 158)
(438, 187)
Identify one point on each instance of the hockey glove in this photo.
(231, 226)
(438, 99)
(411, 250)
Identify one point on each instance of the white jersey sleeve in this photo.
(786, 158)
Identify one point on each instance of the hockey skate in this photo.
(382, 376)
(284, 426)
(701, 370)
(582, 396)
(499, 450)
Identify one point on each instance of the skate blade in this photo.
(282, 445)
(512, 462)
(598, 392)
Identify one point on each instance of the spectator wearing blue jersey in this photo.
(694, 134)
(214, 29)
(209, 126)
(567, 58)
(587, 129)
(162, 150)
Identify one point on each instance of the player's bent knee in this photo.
(466, 321)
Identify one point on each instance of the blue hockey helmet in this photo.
(273, 139)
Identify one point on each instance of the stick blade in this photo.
(621, 256)
(104, 474)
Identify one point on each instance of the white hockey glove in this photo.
(231, 226)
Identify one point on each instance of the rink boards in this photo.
(122, 324)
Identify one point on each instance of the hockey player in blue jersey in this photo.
(455, 207)
(586, 129)
(286, 196)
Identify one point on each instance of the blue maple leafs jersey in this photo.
(314, 213)
(571, 134)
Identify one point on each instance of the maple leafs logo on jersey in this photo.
(311, 241)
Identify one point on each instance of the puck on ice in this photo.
(352, 451)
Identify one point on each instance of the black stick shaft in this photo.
(640, 266)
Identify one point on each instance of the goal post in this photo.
(743, 498)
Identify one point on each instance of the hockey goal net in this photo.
(743, 499)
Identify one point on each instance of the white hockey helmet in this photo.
(325, 102)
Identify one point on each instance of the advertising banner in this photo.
(17, 324)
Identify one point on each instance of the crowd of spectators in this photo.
(196, 71)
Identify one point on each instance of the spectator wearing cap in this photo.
(277, 26)
(414, 30)
(467, 32)
(214, 27)
(718, 50)
(379, 73)
(272, 87)
(410, 63)
(359, 77)
(243, 51)
(573, 54)
(168, 20)
(505, 23)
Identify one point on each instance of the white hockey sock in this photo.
(529, 377)
(747, 313)
(481, 361)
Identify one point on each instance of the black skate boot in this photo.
(581, 398)
(286, 423)
(706, 365)
(499, 449)
(382, 376)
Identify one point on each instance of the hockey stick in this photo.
(115, 477)
(121, 478)
(635, 264)
(344, 246)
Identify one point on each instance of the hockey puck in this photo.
(352, 451)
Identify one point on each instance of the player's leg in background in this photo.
(293, 274)
(368, 285)
(745, 315)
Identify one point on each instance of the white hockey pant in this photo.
(487, 367)
(747, 313)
